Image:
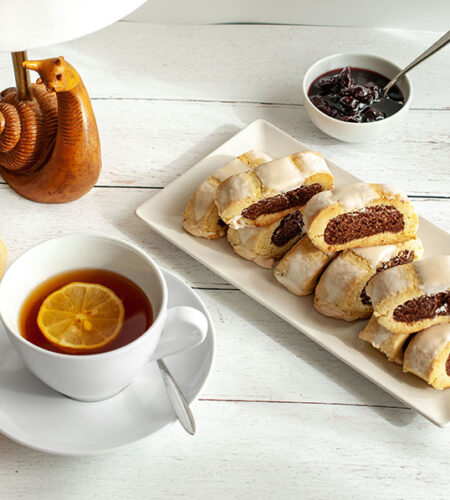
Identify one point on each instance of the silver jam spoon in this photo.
(442, 42)
(177, 400)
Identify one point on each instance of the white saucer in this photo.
(36, 416)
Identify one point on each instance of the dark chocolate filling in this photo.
(295, 198)
(404, 257)
(290, 226)
(447, 366)
(424, 307)
(365, 222)
(221, 222)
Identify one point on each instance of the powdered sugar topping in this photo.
(434, 274)
(280, 175)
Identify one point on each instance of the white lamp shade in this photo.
(27, 24)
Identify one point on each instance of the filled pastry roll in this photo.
(341, 291)
(412, 297)
(263, 245)
(359, 215)
(392, 344)
(201, 217)
(270, 191)
(301, 267)
(428, 356)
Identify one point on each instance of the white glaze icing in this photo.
(390, 282)
(351, 197)
(246, 234)
(255, 155)
(434, 274)
(335, 278)
(280, 175)
(300, 266)
(354, 196)
(205, 195)
(388, 342)
(310, 163)
(317, 203)
(377, 254)
(390, 191)
(234, 188)
(434, 277)
(276, 176)
(383, 253)
(233, 167)
(379, 335)
(204, 198)
(425, 347)
(237, 222)
(261, 260)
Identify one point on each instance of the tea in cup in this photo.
(52, 347)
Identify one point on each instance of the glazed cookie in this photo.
(3, 257)
(201, 217)
(428, 356)
(270, 191)
(301, 267)
(341, 291)
(412, 297)
(392, 344)
(264, 244)
(359, 215)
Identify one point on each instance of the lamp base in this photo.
(49, 142)
(22, 75)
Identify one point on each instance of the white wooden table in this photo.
(280, 417)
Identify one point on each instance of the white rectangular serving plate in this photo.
(164, 213)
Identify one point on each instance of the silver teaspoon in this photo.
(177, 400)
(442, 42)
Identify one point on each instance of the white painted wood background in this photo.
(280, 417)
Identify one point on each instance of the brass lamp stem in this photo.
(22, 76)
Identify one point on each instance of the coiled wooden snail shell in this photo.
(50, 147)
(27, 128)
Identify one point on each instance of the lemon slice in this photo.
(81, 316)
(3, 257)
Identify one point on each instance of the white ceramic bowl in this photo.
(355, 132)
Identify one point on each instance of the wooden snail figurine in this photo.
(49, 146)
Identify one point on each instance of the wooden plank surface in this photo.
(251, 450)
(170, 137)
(247, 333)
(255, 63)
(280, 417)
(110, 211)
(149, 144)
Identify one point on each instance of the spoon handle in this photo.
(442, 42)
(177, 399)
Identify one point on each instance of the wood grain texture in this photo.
(233, 63)
(170, 137)
(280, 417)
(249, 334)
(110, 211)
(251, 450)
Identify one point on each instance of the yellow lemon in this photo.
(81, 316)
(3, 257)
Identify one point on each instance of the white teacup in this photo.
(94, 377)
